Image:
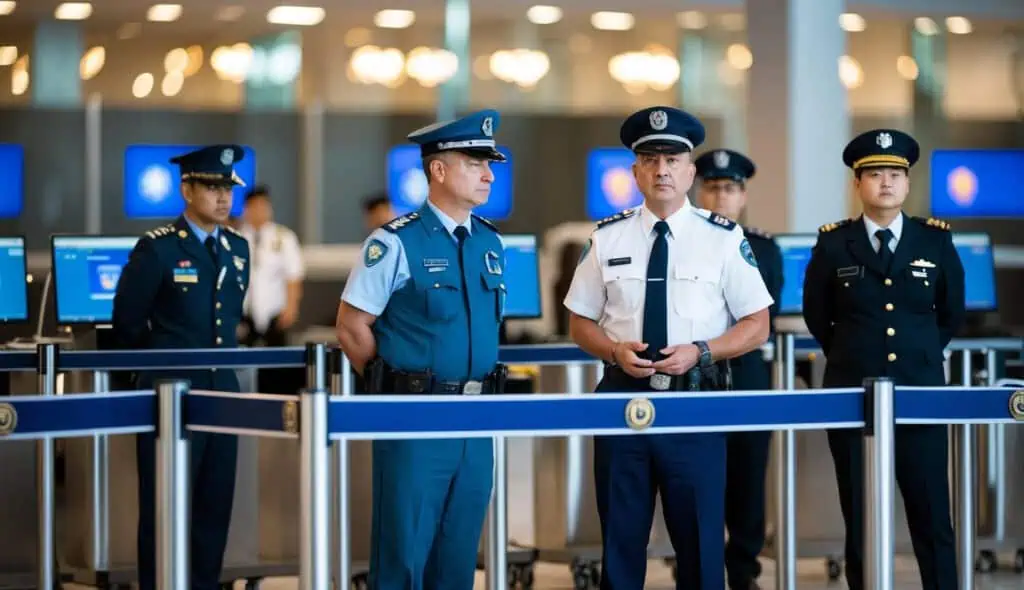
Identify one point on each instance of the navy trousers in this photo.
(430, 499)
(214, 461)
(688, 471)
(746, 467)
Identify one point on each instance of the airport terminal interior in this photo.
(96, 98)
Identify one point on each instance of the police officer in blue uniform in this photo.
(183, 287)
(883, 296)
(420, 315)
(665, 294)
(724, 175)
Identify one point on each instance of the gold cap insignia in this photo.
(8, 419)
(1017, 405)
(639, 413)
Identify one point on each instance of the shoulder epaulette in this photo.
(234, 231)
(160, 232)
(756, 231)
(834, 225)
(719, 221)
(398, 223)
(932, 222)
(486, 223)
(626, 214)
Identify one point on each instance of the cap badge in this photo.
(227, 157)
(721, 159)
(659, 120)
(487, 126)
(884, 140)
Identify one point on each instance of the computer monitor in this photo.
(796, 253)
(13, 281)
(86, 270)
(522, 277)
(610, 184)
(977, 183)
(12, 189)
(975, 250)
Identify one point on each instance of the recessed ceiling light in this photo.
(851, 22)
(544, 15)
(304, 16)
(6, 7)
(612, 21)
(229, 14)
(8, 55)
(394, 19)
(164, 13)
(73, 11)
(926, 26)
(959, 25)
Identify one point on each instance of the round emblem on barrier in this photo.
(639, 413)
(290, 417)
(1017, 405)
(8, 419)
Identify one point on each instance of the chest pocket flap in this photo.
(495, 284)
(443, 293)
(625, 286)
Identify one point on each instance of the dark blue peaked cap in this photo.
(214, 164)
(661, 129)
(886, 148)
(472, 134)
(725, 164)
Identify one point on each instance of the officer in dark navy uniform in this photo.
(665, 294)
(883, 296)
(420, 315)
(723, 189)
(183, 287)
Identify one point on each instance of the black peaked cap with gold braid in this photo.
(881, 148)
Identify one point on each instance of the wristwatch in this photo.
(704, 360)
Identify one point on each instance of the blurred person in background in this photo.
(377, 211)
(723, 190)
(275, 292)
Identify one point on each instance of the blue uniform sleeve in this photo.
(382, 269)
(136, 294)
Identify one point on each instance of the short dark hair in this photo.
(372, 202)
(257, 191)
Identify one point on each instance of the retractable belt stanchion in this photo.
(785, 480)
(963, 477)
(879, 435)
(315, 481)
(497, 533)
(996, 470)
(316, 365)
(341, 385)
(47, 567)
(99, 545)
(172, 497)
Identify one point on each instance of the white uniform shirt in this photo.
(711, 283)
(896, 227)
(276, 260)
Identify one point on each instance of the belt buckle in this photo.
(660, 382)
(472, 388)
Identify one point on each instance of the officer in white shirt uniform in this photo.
(665, 294)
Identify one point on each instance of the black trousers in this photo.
(921, 457)
(285, 381)
(214, 460)
(746, 466)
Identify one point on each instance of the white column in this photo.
(797, 118)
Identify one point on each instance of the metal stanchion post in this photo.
(497, 533)
(785, 476)
(341, 384)
(963, 477)
(172, 488)
(573, 461)
(100, 482)
(879, 473)
(997, 466)
(47, 575)
(314, 480)
(316, 365)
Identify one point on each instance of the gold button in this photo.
(218, 305)
(219, 340)
(888, 307)
(218, 321)
(892, 357)
(891, 332)
(888, 282)
(926, 283)
(846, 284)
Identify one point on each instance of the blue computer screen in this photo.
(522, 278)
(13, 284)
(85, 274)
(407, 184)
(975, 252)
(977, 183)
(12, 189)
(796, 253)
(610, 184)
(152, 185)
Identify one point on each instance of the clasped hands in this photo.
(676, 360)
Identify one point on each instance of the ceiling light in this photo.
(394, 19)
(229, 14)
(739, 57)
(19, 82)
(692, 19)
(73, 11)
(142, 85)
(176, 60)
(544, 15)
(926, 26)
(163, 13)
(612, 21)
(907, 68)
(8, 55)
(303, 16)
(172, 83)
(6, 7)
(92, 62)
(959, 25)
(851, 22)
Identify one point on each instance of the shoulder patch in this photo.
(160, 232)
(835, 225)
(585, 251)
(932, 222)
(720, 221)
(486, 223)
(398, 223)
(757, 232)
(617, 217)
(748, 253)
(374, 253)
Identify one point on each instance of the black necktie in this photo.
(211, 247)
(656, 299)
(462, 234)
(884, 253)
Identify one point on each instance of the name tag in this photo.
(186, 275)
(919, 274)
(619, 261)
(433, 263)
(848, 271)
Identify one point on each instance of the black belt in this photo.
(713, 378)
(383, 379)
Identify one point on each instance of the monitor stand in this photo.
(33, 342)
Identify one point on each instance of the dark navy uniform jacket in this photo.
(750, 371)
(873, 323)
(172, 294)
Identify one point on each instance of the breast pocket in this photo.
(494, 286)
(846, 284)
(625, 287)
(920, 288)
(444, 297)
(696, 290)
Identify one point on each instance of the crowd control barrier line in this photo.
(17, 361)
(192, 358)
(244, 414)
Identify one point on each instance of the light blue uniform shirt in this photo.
(369, 289)
(199, 232)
